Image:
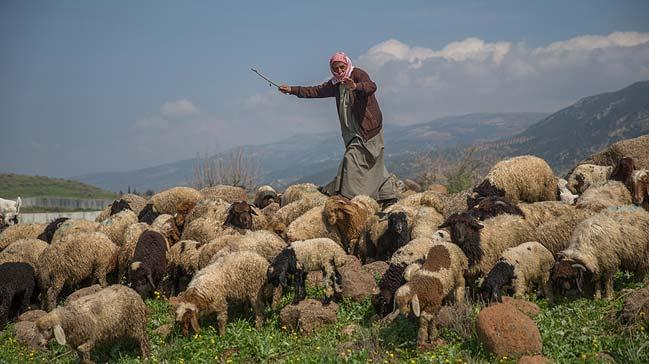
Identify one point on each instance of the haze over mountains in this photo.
(563, 138)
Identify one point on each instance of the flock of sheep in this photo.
(209, 249)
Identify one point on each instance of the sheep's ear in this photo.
(415, 305)
(282, 280)
(194, 322)
(59, 335)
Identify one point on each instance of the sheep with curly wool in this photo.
(202, 230)
(301, 257)
(312, 225)
(519, 179)
(270, 210)
(174, 199)
(584, 176)
(115, 226)
(264, 196)
(554, 234)
(24, 251)
(216, 209)
(298, 192)
(264, 243)
(48, 234)
(70, 227)
(73, 259)
(20, 231)
(349, 217)
(224, 192)
(382, 236)
(149, 263)
(440, 277)
(518, 268)
(610, 194)
(182, 263)
(238, 277)
(600, 246)
(16, 286)
(214, 246)
(111, 314)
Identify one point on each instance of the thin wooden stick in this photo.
(264, 77)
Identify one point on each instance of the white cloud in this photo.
(179, 108)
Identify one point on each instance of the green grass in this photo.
(13, 185)
(573, 331)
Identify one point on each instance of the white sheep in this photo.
(610, 194)
(24, 251)
(586, 175)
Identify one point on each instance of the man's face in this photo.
(338, 68)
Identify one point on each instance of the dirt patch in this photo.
(308, 316)
(356, 282)
(506, 331)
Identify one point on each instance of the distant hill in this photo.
(571, 134)
(314, 157)
(14, 185)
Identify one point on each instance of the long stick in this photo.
(264, 77)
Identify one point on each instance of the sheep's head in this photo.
(265, 198)
(170, 231)
(240, 215)
(181, 212)
(118, 206)
(406, 301)
(569, 277)
(390, 281)
(11, 218)
(186, 315)
(47, 327)
(623, 170)
(148, 214)
(500, 276)
(493, 206)
(398, 222)
(640, 187)
(336, 209)
(484, 189)
(278, 228)
(283, 267)
(465, 233)
(141, 279)
(51, 228)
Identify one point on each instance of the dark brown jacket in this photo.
(363, 102)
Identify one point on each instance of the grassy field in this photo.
(573, 331)
(13, 185)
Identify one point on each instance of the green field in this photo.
(13, 185)
(573, 331)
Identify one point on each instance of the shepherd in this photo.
(362, 170)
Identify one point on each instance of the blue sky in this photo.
(112, 86)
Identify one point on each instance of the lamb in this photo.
(599, 247)
(20, 231)
(72, 260)
(587, 175)
(519, 179)
(182, 263)
(610, 194)
(413, 252)
(264, 243)
(382, 236)
(483, 244)
(237, 277)
(265, 196)
(441, 275)
(519, 267)
(115, 226)
(224, 192)
(16, 287)
(298, 192)
(113, 313)
(48, 234)
(349, 216)
(149, 263)
(302, 257)
(24, 251)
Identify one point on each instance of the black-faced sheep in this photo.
(302, 257)
(237, 278)
(113, 313)
(599, 247)
(518, 268)
(265, 196)
(73, 259)
(519, 179)
(240, 215)
(382, 237)
(148, 214)
(51, 228)
(16, 286)
(149, 263)
(182, 263)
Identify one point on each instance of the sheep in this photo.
(612, 193)
(600, 246)
(412, 203)
(441, 276)
(270, 210)
(290, 212)
(534, 213)
(10, 206)
(313, 224)
(415, 251)
(24, 251)
(264, 243)
(182, 263)
(115, 226)
(8, 219)
(216, 244)
(224, 192)
(639, 188)
(76, 257)
(16, 287)
(20, 231)
(174, 199)
(237, 277)
(554, 234)
(298, 192)
(382, 236)
(587, 175)
(131, 236)
(565, 195)
(48, 234)
(166, 225)
(242, 215)
(216, 209)
(74, 226)
(519, 179)
(635, 148)
(425, 222)
(518, 267)
(492, 206)
(483, 244)
(349, 216)
(129, 201)
(302, 257)
(149, 263)
(113, 313)
(202, 230)
(148, 214)
(456, 203)
(264, 196)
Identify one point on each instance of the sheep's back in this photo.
(20, 231)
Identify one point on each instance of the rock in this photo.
(31, 315)
(315, 279)
(526, 307)
(308, 315)
(164, 330)
(506, 331)
(636, 307)
(377, 269)
(83, 292)
(535, 359)
(356, 283)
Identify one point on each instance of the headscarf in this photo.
(340, 57)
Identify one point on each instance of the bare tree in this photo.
(238, 168)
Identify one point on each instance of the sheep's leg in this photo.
(432, 329)
(24, 302)
(258, 306)
(277, 297)
(547, 288)
(222, 321)
(422, 333)
(598, 289)
(84, 351)
(52, 295)
(4, 313)
(520, 287)
(300, 288)
(139, 334)
(608, 287)
(459, 290)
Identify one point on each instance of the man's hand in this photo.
(285, 89)
(349, 84)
